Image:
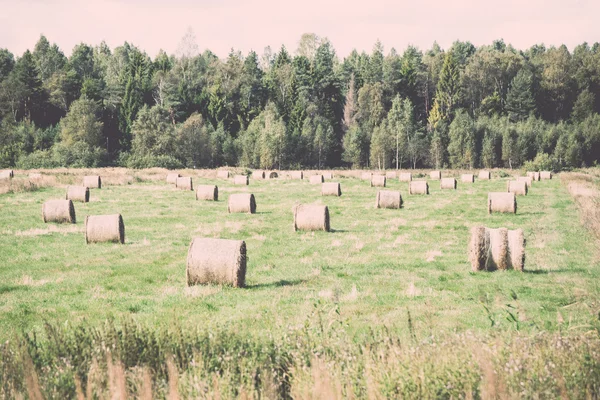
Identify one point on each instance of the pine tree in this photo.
(350, 105)
(34, 95)
(461, 146)
(519, 100)
(448, 90)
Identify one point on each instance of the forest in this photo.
(462, 107)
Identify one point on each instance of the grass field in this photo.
(404, 270)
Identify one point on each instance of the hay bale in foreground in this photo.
(484, 175)
(184, 183)
(405, 177)
(272, 175)
(448, 183)
(258, 174)
(316, 179)
(296, 175)
(104, 228)
(59, 211)
(7, 174)
(78, 193)
(388, 199)
(418, 187)
(220, 261)
(331, 189)
(467, 178)
(366, 176)
(378, 181)
(527, 179)
(496, 249)
(311, 217)
(240, 180)
(436, 175)
(502, 202)
(241, 203)
(517, 187)
(223, 174)
(172, 178)
(207, 192)
(390, 174)
(327, 175)
(534, 175)
(544, 175)
(92, 181)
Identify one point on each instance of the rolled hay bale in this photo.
(517, 187)
(241, 203)
(366, 176)
(92, 181)
(484, 175)
(220, 261)
(388, 199)
(59, 211)
(311, 217)
(172, 178)
(223, 174)
(207, 192)
(258, 174)
(467, 178)
(331, 189)
(78, 193)
(534, 175)
(378, 181)
(496, 249)
(327, 175)
(448, 183)
(405, 177)
(7, 174)
(316, 179)
(527, 179)
(391, 175)
(35, 175)
(544, 175)
(184, 183)
(240, 180)
(296, 175)
(502, 202)
(418, 187)
(273, 175)
(104, 228)
(436, 175)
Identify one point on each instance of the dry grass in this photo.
(587, 198)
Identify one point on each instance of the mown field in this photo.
(405, 272)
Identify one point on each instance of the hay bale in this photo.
(436, 175)
(78, 193)
(448, 183)
(258, 174)
(104, 228)
(7, 174)
(92, 181)
(502, 202)
(388, 199)
(378, 180)
(418, 187)
(405, 177)
(467, 178)
(390, 174)
(311, 217)
(516, 248)
(331, 189)
(366, 176)
(327, 175)
(272, 175)
(35, 175)
(172, 178)
(184, 183)
(223, 174)
(59, 211)
(496, 249)
(220, 261)
(316, 179)
(517, 187)
(534, 175)
(296, 175)
(527, 179)
(240, 180)
(478, 248)
(241, 203)
(207, 192)
(544, 175)
(484, 175)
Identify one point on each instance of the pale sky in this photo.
(255, 24)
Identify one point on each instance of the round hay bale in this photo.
(184, 183)
(390, 174)
(496, 249)
(78, 193)
(207, 192)
(478, 248)
(516, 248)
(273, 175)
(517, 187)
(502, 202)
(388, 199)
(435, 175)
(405, 177)
(7, 174)
(366, 176)
(104, 228)
(219, 261)
(331, 189)
(527, 179)
(172, 178)
(223, 174)
(448, 183)
(467, 178)
(327, 175)
(316, 179)
(59, 211)
(378, 181)
(240, 180)
(92, 181)
(484, 175)
(418, 187)
(311, 217)
(258, 174)
(534, 175)
(241, 203)
(296, 175)
(544, 175)
(35, 175)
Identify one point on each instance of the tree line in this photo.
(464, 107)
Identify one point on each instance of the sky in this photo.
(254, 24)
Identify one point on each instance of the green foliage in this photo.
(461, 146)
(542, 162)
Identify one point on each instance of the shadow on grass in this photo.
(554, 271)
(281, 283)
(338, 231)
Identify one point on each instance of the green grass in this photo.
(374, 267)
